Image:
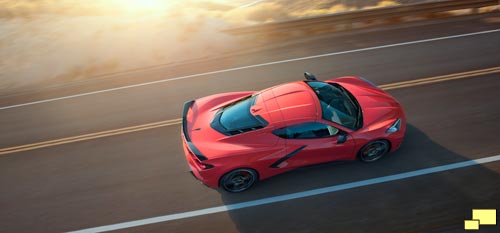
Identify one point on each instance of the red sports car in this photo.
(232, 140)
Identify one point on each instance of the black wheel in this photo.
(238, 180)
(373, 151)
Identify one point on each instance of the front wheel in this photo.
(238, 180)
(373, 151)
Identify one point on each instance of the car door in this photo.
(312, 143)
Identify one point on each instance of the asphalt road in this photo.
(143, 174)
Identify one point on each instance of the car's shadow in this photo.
(440, 201)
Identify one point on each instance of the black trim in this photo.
(215, 124)
(191, 146)
(196, 152)
(275, 164)
(187, 105)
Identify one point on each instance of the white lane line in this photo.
(292, 196)
(249, 67)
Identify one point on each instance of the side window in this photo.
(306, 131)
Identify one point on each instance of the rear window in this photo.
(237, 118)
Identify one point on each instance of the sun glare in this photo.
(143, 4)
(157, 6)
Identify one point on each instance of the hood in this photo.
(379, 107)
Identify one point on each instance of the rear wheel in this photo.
(373, 151)
(239, 180)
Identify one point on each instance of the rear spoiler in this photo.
(191, 146)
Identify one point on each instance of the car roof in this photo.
(288, 104)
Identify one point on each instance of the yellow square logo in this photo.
(481, 217)
(471, 224)
(485, 216)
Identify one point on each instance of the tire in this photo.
(373, 151)
(238, 180)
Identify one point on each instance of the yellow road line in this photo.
(159, 124)
(89, 136)
(441, 78)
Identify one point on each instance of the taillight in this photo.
(205, 166)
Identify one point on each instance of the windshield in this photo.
(337, 104)
(237, 118)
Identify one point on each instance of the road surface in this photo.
(142, 174)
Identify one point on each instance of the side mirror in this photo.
(310, 76)
(342, 138)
